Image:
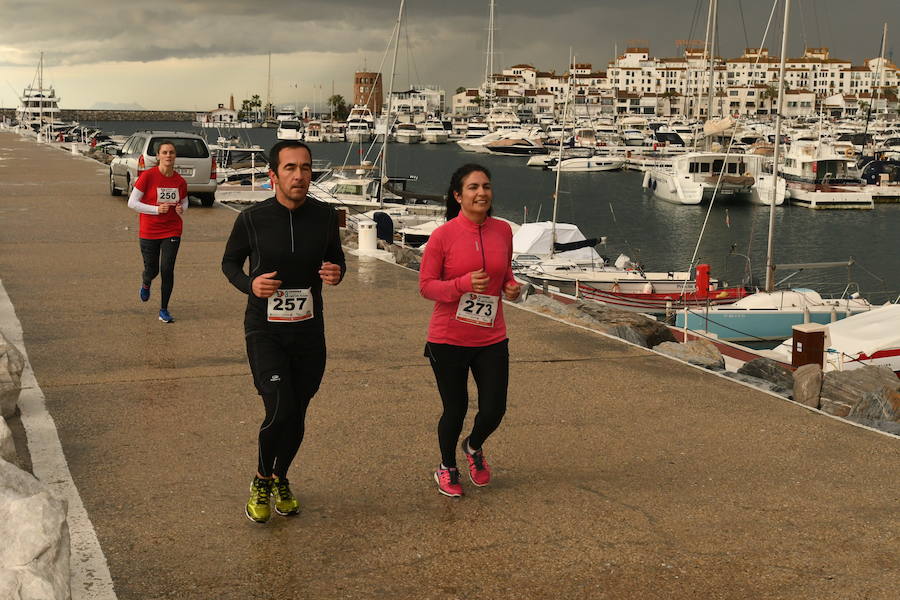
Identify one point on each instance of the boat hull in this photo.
(750, 325)
(829, 197)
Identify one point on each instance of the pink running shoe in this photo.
(448, 482)
(479, 471)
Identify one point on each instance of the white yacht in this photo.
(354, 184)
(498, 117)
(433, 132)
(819, 177)
(693, 178)
(359, 131)
(39, 104)
(289, 130)
(407, 133)
(634, 131)
(360, 125)
(476, 129)
(287, 113)
(585, 137)
(313, 132)
(480, 144)
(333, 131)
(588, 164)
(557, 132)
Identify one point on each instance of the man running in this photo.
(293, 246)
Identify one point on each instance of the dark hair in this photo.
(274, 153)
(456, 184)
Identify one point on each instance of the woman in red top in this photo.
(160, 195)
(465, 270)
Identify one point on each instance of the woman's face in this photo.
(166, 156)
(476, 196)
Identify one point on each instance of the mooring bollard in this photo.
(366, 236)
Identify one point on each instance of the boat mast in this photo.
(387, 120)
(699, 83)
(874, 92)
(713, 9)
(559, 157)
(41, 95)
(268, 90)
(489, 64)
(770, 264)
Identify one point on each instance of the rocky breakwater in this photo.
(868, 395)
(34, 554)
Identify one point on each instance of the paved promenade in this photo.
(618, 473)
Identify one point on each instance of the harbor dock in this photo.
(619, 473)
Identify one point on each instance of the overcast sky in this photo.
(192, 54)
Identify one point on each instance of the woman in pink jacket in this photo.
(465, 270)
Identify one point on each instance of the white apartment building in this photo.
(638, 83)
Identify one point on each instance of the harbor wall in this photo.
(67, 114)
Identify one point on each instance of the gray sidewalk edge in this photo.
(90, 577)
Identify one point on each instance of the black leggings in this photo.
(490, 368)
(287, 373)
(159, 259)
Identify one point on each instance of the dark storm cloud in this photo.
(443, 34)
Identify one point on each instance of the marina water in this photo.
(660, 235)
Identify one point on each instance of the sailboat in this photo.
(771, 314)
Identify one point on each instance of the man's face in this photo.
(291, 182)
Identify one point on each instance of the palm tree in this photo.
(338, 107)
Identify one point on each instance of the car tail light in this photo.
(141, 164)
(212, 169)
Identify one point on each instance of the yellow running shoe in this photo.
(285, 502)
(258, 508)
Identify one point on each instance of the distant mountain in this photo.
(116, 106)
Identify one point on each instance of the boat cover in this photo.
(868, 332)
(537, 238)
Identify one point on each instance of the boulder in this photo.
(808, 385)
(11, 364)
(651, 330)
(629, 334)
(843, 390)
(768, 370)
(892, 427)
(34, 555)
(838, 408)
(631, 326)
(407, 257)
(696, 352)
(880, 405)
(759, 383)
(7, 444)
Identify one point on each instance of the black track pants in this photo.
(159, 259)
(287, 372)
(490, 368)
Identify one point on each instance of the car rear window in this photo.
(184, 147)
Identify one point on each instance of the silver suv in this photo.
(194, 162)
